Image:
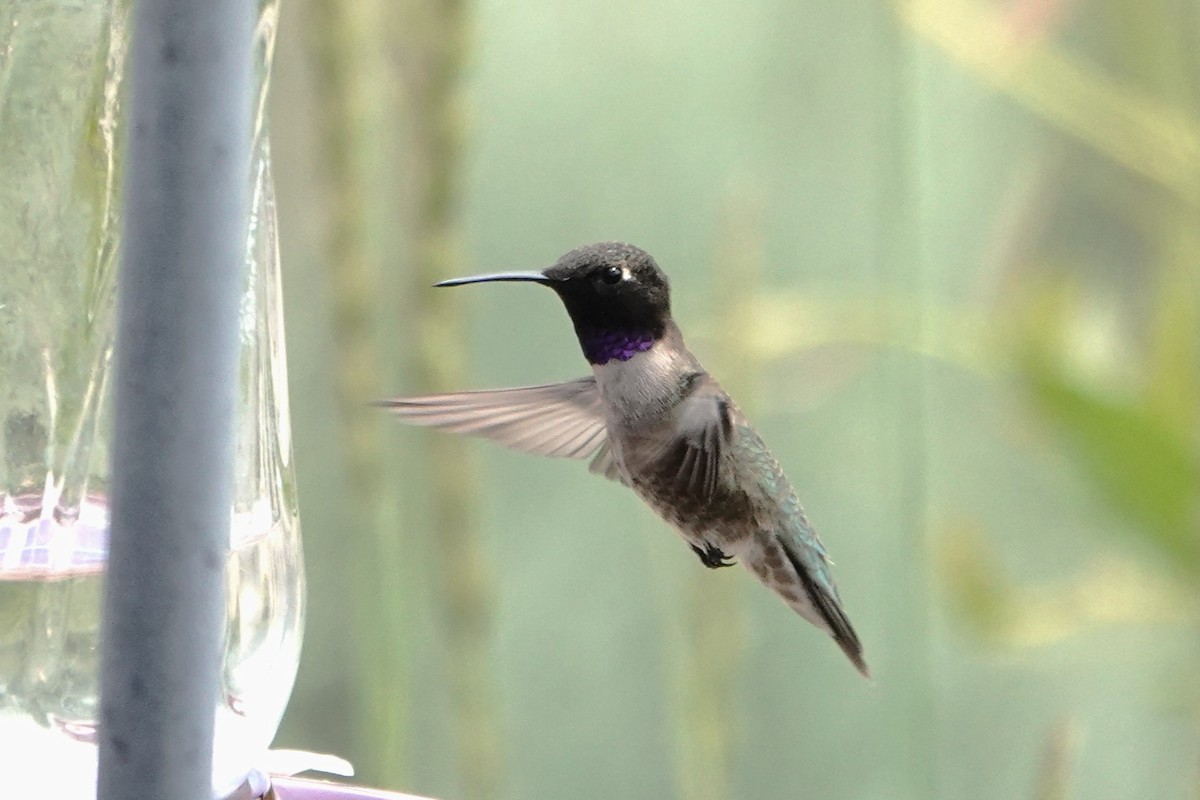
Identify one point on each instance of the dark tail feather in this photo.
(831, 611)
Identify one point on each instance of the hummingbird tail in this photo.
(827, 605)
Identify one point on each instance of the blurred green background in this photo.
(946, 254)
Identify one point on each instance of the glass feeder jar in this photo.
(62, 65)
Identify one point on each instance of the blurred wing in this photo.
(702, 435)
(563, 420)
(604, 464)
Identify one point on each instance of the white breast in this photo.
(644, 387)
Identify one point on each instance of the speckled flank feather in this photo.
(804, 586)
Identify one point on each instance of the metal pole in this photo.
(185, 194)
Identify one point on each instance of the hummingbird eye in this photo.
(611, 275)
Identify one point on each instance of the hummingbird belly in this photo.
(723, 519)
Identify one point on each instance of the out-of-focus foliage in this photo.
(1143, 464)
(945, 252)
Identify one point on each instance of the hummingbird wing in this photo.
(563, 420)
(703, 427)
(604, 464)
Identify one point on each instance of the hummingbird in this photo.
(652, 418)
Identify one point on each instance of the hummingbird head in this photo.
(617, 297)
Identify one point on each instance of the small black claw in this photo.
(713, 557)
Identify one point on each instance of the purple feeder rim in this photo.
(302, 789)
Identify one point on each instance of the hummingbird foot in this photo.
(713, 557)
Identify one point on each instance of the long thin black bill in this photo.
(534, 277)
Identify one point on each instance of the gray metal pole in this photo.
(185, 193)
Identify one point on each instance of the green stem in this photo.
(431, 41)
(710, 660)
(341, 45)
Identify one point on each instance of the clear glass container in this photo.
(61, 73)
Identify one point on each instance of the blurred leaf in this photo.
(968, 570)
(1008, 613)
(1135, 446)
(1136, 32)
(1140, 465)
(780, 324)
(1132, 128)
(1173, 390)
